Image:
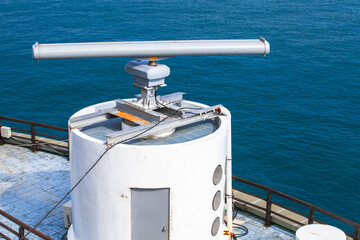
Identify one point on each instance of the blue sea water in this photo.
(296, 114)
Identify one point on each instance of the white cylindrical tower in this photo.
(166, 188)
(151, 167)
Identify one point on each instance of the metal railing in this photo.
(312, 208)
(22, 227)
(34, 133)
(270, 192)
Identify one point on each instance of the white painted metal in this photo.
(5, 132)
(148, 79)
(67, 214)
(101, 204)
(144, 49)
(150, 213)
(228, 195)
(319, 232)
(141, 69)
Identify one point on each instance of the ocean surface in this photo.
(296, 114)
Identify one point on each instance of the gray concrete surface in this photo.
(30, 185)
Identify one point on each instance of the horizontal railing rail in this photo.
(34, 134)
(22, 227)
(312, 208)
(33, 123)
(270, 192)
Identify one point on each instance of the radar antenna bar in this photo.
(150, 49)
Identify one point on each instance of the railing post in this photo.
(33, 140)
(311, 216)
(356, 233)
(1, 139)
(21, 233)
(268, 209)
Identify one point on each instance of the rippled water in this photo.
(296, 112)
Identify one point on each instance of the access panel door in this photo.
(150, 214)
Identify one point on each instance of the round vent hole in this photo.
(215, 226)
(217, 175)
(216, 201)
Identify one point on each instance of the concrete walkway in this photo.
(30, 185)
(257, 230)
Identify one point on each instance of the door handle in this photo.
(164, 229)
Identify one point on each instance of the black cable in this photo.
(23, 144)
(234, 211)
(33, 144)
(97, 161)
(157, 103)
(242, 228)
(18, 141)
(64, 236)
(238, 226)
(48, 145)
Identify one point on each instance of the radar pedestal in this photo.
(148, 78)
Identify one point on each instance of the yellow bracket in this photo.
(130, 117)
